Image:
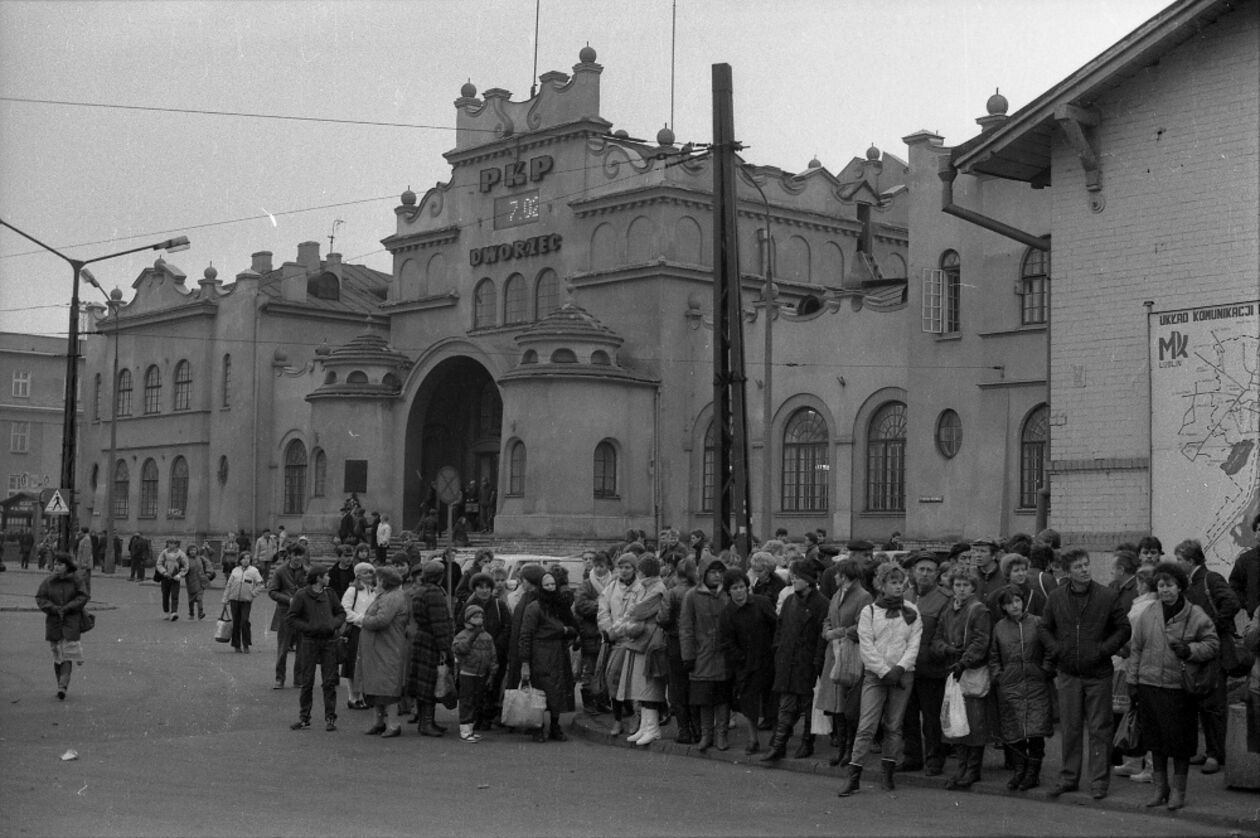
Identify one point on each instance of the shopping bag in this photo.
(847, 670)
(518, 711)
(537, 699)
(223, 626)
(444, 690)
(974, 682)
(1128, 737)
(954, 711)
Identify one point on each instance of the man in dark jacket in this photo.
(1087, 627)
(315, 615)
(798, 658)
(140, 551)
(1245, 577)
(1209, 590)
(923, 746)
(285, 581)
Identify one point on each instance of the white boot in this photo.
(650, 729)
(638, 734)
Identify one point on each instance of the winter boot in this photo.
(806, 748)
(684, 735)
(1032, 775)
(1159, 779)
(557, 733)
(843, 745)
(977, 761)
(425, 725)
(722, 726)
(853, 783)
(650, 728)
(1178, 797)
(378, 727)
(706, 729)
(588, 702)
(1021, 768)
(962, 777)
(887, 766)
(778, 742)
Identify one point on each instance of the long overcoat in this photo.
(432, 641)
(382, 660)
(1017, 663)
(799, 647)
(545, 639)
(55, 591)
(842, 615)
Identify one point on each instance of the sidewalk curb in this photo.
(590, 729)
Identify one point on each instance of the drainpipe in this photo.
(947, 174)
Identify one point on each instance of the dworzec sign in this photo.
(533, 246)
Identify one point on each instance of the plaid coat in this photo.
(433, 637)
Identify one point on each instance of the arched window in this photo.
(484, 305)
(564, 356)
(707, 466)
(324, 287)
(948, 433)
(319, 481)
(122, 487)
(179, 488)
(805, 466)
(546, 294)
(886, 459)
(227, 380)
(357, 377)
(1034, 442)
(515, 304)
(1034, 278)
(605, 470)
(516, 469)
(152, 390)
(148, 489)
(123, 395)
(294, 478)
(96, 398)
(600, 358)
(183, 385)
(951, 293)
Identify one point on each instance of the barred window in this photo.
(148, 489)
(183, 385)
(294, 478)
(227, 380)
(319, 481)
(605, 470)
(951, 301)
(122, 487)
(948, 433)
(1034, 280)
(152, 390)
(1034, 442)
(123, 394)
(805, 466)
(179, 488)
(707, 469)
(886, 459)
(516, 469)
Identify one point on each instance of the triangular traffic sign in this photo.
(56, 506)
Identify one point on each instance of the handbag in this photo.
(223, 626)
(1199, 677)
(975, 682)
(1128, 738)
(1236, 661)
(954, 711)
(87, 621)
(847, 670)
(518, 711)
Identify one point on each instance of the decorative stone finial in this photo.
(997, 104)
(665, 137)
(469, 90)
(587, 55)
(408, 197)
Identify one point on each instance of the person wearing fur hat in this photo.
(586, 608)
(747, 635)
(798, 658)
(644, 667)
(700, 640)
(679, 686)
(548, 629)
(431, 645)
(355, 599)
(619, 597)
(497, 622)
(383, 652)
(477, 661)
(889, 633)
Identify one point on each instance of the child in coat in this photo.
(475, 656)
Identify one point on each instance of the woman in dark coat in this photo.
(962, 641)
(747, 637)
(431, 645)
(798, 657)
(61, 597)
(699, 635)
(1021, 676)
(548, 629)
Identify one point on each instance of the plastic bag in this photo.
(975, 682)
(1128, 739)
(223, 626)
(518, 711)
(847, 670)
(537, 699)
(954, 711)
(445, 690)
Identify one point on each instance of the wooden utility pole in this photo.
(731, 525)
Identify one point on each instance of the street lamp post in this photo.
(111, 557)
(767, 398)
(69, 415)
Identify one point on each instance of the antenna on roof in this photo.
(333, 235)
(533, 84)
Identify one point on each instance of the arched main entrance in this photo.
(454, 421)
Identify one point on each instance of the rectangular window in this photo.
(1033, 305)
(21, 384)
(20, 437)
(15, 483)
(227, 380)
(933, 286)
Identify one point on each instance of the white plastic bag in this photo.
(954, 711)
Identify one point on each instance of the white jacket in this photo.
(887, 642)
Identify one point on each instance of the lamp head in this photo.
(174, 245)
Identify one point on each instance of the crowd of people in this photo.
(923, 656)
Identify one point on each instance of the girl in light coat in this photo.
(618, 598)
(356, 599)
(244, 583)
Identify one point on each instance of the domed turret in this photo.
(815, 163)
(587, 55)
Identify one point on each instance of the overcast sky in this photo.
(811, 77)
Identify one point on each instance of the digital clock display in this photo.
(516, 210)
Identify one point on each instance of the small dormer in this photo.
(365, 368)
(570, 342)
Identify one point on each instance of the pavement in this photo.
(1209, 801)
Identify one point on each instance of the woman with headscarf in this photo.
(747, 638)
(356, 599)
(700, 641)
(962, 641)
(382, 654)
(62, 597)
(239, 591)
(548, 630)
(841, 703)
(619, 597)
(1169, 636)
(431, 646)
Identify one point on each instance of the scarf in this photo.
(1171, 611)
(895, 607)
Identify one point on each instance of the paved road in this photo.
(177, 735)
